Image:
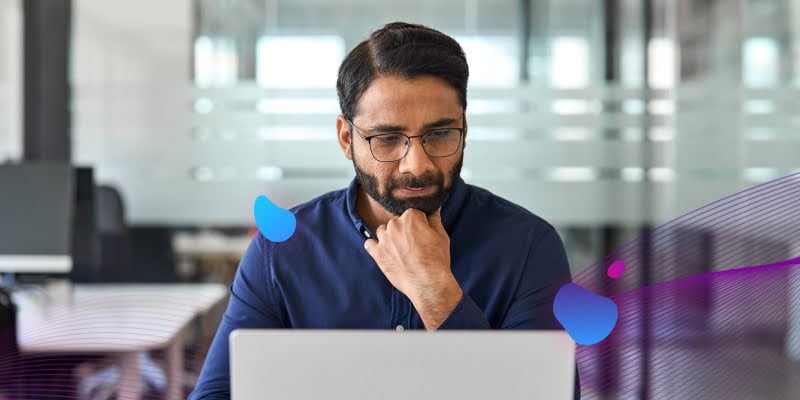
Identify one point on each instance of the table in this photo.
(117, 319)
(209, 243)
(209, 253)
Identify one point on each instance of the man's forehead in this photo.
(398, 87)
(401, 103)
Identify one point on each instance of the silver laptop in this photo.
(339, 364)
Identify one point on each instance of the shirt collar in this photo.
(450, 209)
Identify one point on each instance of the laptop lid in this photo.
(340, 364)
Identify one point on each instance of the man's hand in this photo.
(413, 251)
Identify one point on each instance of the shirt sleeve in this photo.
(546, 270)
(252, 304)
(466, 315)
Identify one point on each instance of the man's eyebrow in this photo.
(440, 123)
(388, 128)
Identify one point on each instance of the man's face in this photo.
(412, 107)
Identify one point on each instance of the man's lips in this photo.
(414, 191)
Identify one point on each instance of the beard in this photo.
(427, 204)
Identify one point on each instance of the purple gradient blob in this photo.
(616, 269)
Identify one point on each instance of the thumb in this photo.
(435, 220)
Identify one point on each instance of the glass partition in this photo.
(10, 81)
(222, 101)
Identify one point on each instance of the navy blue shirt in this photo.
(509, 263)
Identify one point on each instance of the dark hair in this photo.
(408, 50)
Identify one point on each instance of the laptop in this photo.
(341, 364)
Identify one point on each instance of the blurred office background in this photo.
(584, 112)
(603, 117)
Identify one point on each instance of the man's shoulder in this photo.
(494, 208)
(332, 200)
(311, 217)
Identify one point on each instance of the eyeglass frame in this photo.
(461, 131)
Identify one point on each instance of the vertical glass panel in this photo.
(493, 60)
(216, 62)
(760, 63)
(298, 61)
(10, 80)
(569, 66)
(630, 28)
(574, 43)
(794, 28)
(662, 63)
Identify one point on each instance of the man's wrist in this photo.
(435, 302)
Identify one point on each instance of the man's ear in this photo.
(464, 145)
(344, 136)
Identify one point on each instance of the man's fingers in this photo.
(380, 232)
(435, 220)
(370, 245)
(373, 248)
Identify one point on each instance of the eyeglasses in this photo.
(390, 147)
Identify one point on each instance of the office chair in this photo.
(112, 235)
(85, 244)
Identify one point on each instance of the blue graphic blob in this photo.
(587, 317)
(275, 223)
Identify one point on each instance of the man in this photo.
(408, 245)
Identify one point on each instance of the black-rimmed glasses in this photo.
(390, 147)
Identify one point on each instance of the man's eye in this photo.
(387, 140)
(440, 133)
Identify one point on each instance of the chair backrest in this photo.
(112, 233)
(138, 254)
(110, 211)
(85, 243)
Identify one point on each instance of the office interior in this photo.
(140, 134)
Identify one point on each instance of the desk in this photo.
(121, 320)
(209, 253)
(208, 243)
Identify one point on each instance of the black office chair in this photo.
(129, 254)
(153, 257)
(115, 261)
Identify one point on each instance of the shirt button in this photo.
(400, 328)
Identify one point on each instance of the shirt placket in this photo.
(400, 310)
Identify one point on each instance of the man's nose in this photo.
(416, 162)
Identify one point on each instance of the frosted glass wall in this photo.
(196, 109)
